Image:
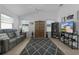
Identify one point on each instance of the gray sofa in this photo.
(12, 41)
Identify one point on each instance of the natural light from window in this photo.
(6, 22)
(6, 26)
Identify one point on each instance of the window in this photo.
(6, 25)
(6, 22)
(25, 28)
(25, 25)
(49, 25)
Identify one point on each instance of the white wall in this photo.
(68, 9)
(5, 11)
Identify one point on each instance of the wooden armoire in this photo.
(39, 29)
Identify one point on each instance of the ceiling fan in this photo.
(36, 10)
(60, 5)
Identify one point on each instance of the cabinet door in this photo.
(36, 29)
(39, 29)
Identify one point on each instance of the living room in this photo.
(39, 29)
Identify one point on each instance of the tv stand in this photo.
(70, 39)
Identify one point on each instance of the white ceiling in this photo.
(25, 9)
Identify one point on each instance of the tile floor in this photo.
(41, 47)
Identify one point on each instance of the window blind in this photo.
(6, 19)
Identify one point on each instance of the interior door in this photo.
(39, 29)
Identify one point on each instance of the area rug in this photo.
(41, 47)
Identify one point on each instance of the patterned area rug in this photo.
(41, 47)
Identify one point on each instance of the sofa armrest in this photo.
(0, 49)
(4, 45)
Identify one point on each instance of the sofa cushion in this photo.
(1, 31)
(21, 35)
(11, 35)
(12, 40)
(17, 34)
(16, 38)
(3, 36)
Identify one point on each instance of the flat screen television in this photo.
(67, 26)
